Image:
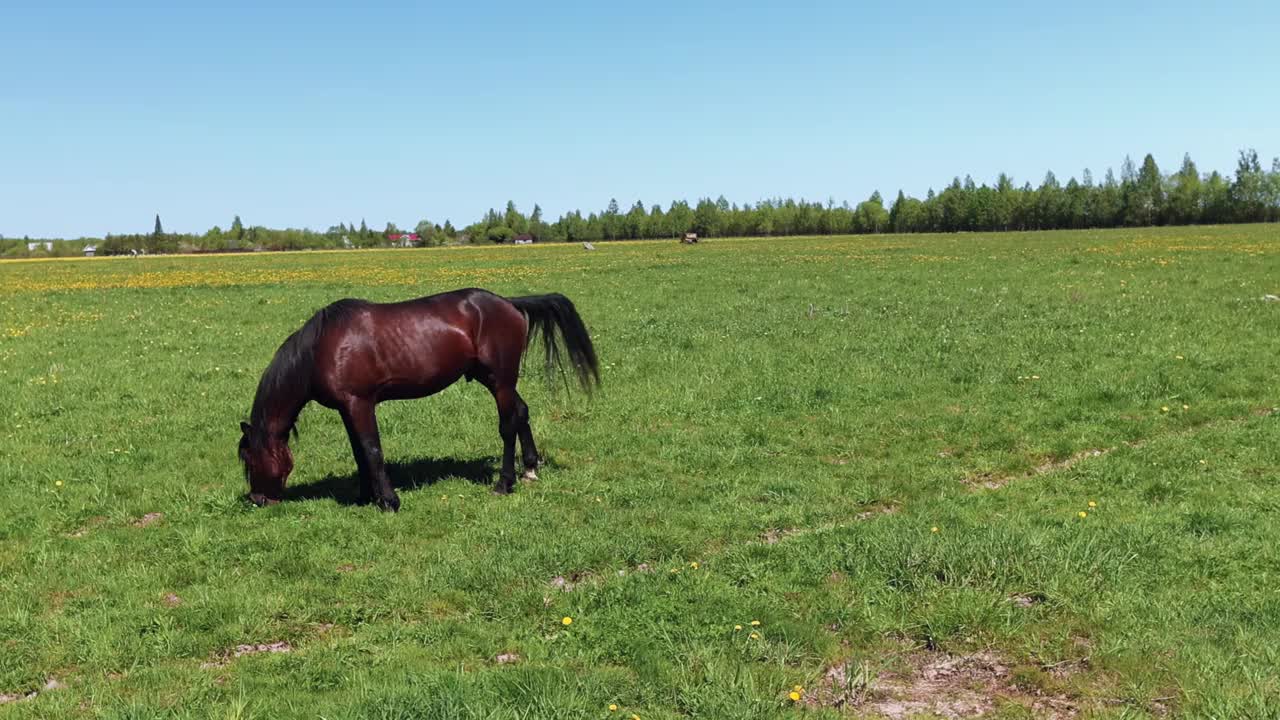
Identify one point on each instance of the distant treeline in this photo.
(1142, 196)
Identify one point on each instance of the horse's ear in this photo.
(245, 428)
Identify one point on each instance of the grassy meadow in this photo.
(1012, 476)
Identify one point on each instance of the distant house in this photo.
(403, 239)
(690, 238)
(90, 250)
(524, 239)
(37, 244)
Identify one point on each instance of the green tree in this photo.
(1048, 203)
(1184, 196)
(1249, 191)
(1150, 191)
(1216, 199)
(1273, 190)
(1004, 203)
(499, 233)
(636, 223)
(513, 219)
(871, 215)
(610, 222)
(706, 218)
(537, 228)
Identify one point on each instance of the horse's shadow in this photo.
(423, 472)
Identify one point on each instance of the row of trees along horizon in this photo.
(1141, 196)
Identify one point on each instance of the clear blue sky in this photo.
(307, 115)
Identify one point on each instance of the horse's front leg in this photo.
(362, 430)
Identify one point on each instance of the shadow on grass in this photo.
(423, 472)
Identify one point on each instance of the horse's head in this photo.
(267, 463)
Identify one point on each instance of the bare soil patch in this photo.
(941, 685)
(242, 650)
(148, 520)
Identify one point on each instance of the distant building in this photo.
(403, 239)
(36, 244)
(690, 238)
(524, 239)
(90, 250)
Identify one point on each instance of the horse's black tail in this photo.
(555, 318)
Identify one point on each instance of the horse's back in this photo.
(398, 350)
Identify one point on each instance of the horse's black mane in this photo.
(290, 369)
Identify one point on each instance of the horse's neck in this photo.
(278, 411)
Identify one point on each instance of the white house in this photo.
(46, 244)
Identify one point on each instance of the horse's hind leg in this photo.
(528, 450)
(508, 426)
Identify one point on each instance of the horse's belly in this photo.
(413, 389)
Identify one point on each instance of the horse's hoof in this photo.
(529, 475)
(391, 504)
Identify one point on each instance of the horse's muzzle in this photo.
(260, 500)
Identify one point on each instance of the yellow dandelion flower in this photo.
(1084, 514)
(1164, 408)
(736, 628)
(567, 620)
(933, 529)
(1093, 504)
(693, 565)
(613, 708)
(1186, 407)
(755, 636)
(57, 483)
(1178, 357)
(755, 623)
(795, 696)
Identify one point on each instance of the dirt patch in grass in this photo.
(995, 481)
(507, 658)
(1026, 600)
(148, 520)
(773, 536)
(172, 600)
(51, 684)
(876, 511)
(945, 686)
(567, 584)
(242, 650)
(89, 524)
(6, 698)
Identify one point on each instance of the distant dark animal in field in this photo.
(354, 354)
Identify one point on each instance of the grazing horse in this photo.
(354, 354)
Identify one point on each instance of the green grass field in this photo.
(878, 448)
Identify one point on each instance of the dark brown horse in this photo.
(353, 354)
